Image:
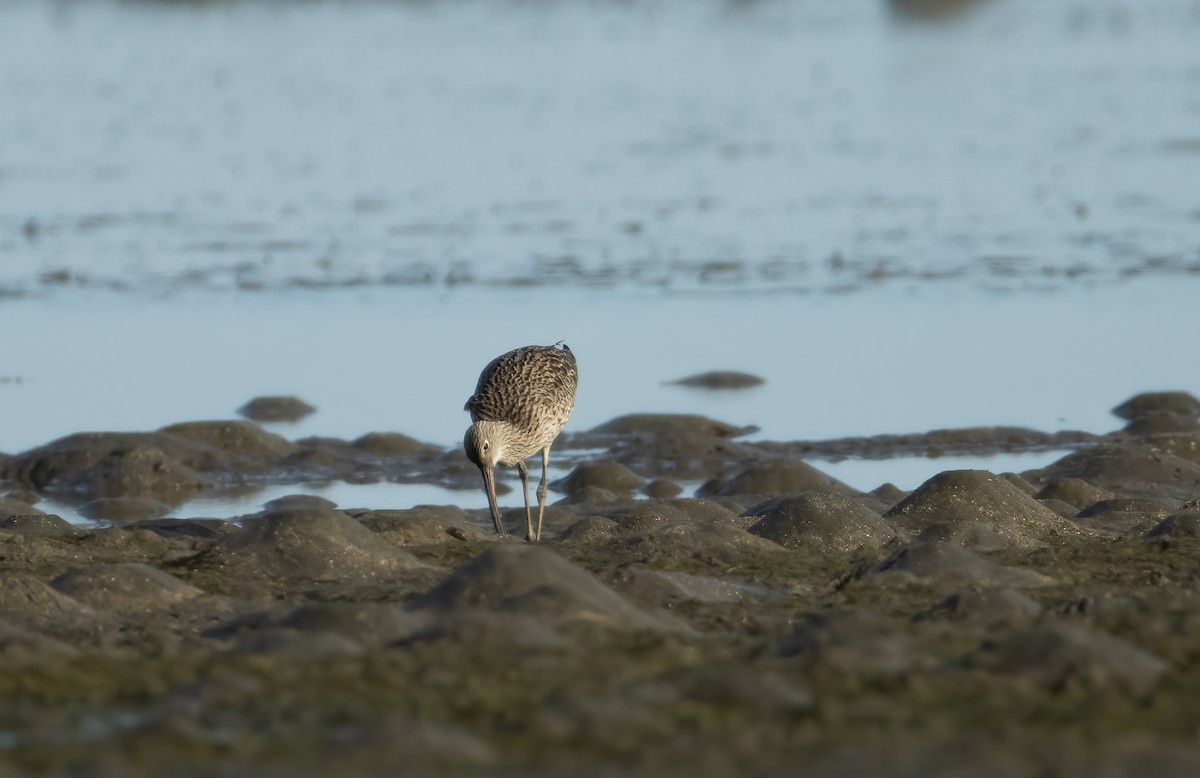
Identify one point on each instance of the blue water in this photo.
(899, 225)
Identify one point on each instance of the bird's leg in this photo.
(541, 492)
(524, 471)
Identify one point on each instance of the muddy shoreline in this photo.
(1043, 622)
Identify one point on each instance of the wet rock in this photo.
(533, 581)
(821, 521)
(661, 489)
(1141, 405)
(297, 645)
(19, 645)
(764, 692)
(1127, 470)
(985, 606)
(782, 478)
(1064, 509)
(1161, 423)
(889, 494)
(1125, 516)
(421, 526)
(1182, 445)
(1020, 483)
(307, 547)
(1185, 524)
(393, 444)
(26, 496)
(674, 446)
(235, 436)
(11, 507)
(122, 509)
(1074, 491)
(613, 476)
(1059, 655)
(590, 499)
(367, 624)
(646, 516)
(276, 409)
(680, 543)
(858, 643)
(299, 502)
(979, 498)
(208, 529)
(480, 627)
(27, 602)
(139, 472)
(720, 379)
(710, 512)
(128, 589)
(54, 466)
(38, 524)
(663, 587)
(593, 529)
(949, 563)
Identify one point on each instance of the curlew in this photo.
(520, 404)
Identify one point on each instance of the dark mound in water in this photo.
(276, 409)
(821, 521)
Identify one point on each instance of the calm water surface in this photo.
(989, 220)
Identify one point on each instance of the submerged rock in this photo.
(720, 379)
(274, 408)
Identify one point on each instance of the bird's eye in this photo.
(486, 445)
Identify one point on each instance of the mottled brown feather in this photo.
(532, 388)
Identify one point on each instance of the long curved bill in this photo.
(489, 485)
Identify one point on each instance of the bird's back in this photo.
(532, 388)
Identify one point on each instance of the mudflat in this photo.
(774, 621)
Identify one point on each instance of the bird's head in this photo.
(484, 444)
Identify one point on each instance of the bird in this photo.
(522, 401)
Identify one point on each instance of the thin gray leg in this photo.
(541, 491)
(524, 471)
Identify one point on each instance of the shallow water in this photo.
(900, 226)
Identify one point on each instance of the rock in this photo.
(19, 646)
(39, 524)
(720, 379)
(122, 509)
(857, 643)
(590, 498)
(821, 521)
(297, 645)
(235, 436)
(1059, 655)
(11, 507)
(646, 516)
(1020, 483)
(889, 494)
(613, 476)
(1161, 423)
(1125, 516)
(139, 472)
(299, 502)
(309, 546)
(979, 499)
(128, 589)
(1127, 470)
(1184, 524)
(393, 444)
(27, 602)
(665, 587)
(1064, 509)
(367, 624)
(986, 606)
(661, 489)
(949, 562)
(593, 529)
(1074, 491)
(533, 581)
(276, 408)
(780, 478)
(207, 529)
(1140, 405)
(763, 692)
(479, 627)
(423, 525)
(674, 446)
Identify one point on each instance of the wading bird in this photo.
(520, 404)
